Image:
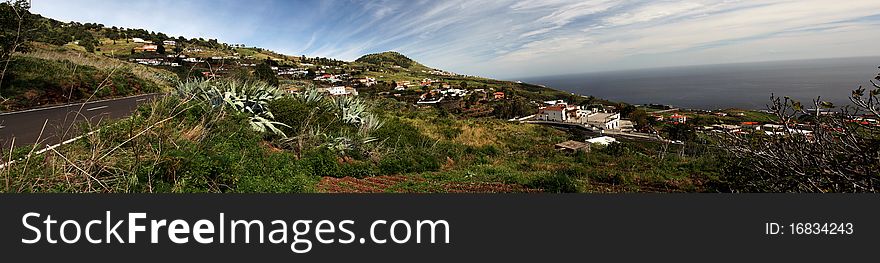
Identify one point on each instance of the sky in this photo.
(512, 39)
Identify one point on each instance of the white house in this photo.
(169, 43)
(342, 91)
(141, 40)
(454, 92)
(556, 113)
(554, 102)
(604, 140)
(604, 120)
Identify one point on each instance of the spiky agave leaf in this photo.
(265, 125)
(252, 99)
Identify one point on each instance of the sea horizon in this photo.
(721, 86)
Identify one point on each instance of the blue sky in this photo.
(512, 38)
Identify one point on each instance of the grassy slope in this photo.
(523, 154)
(51, 74)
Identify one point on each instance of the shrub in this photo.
(414, 160)
(398, 133)
(297, 113)
(555, 183)
(357, 170)
(321, 162)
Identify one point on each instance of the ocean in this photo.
(743, 86)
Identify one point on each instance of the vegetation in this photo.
(204, 138)
(265, 73)
(50, 75)
(238, 131)
(13, 24)
(392, 58)
(836, 154)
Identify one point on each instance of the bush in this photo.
(321, 162)
(397, 133)
(357, 170)
(296, 113)
(411, 161)
(556, 183)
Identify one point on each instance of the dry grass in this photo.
(474, 135)
(164, 78)
(103, 160)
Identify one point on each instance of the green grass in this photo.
(34, 82)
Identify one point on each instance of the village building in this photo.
(147, 48)
(603, 120)
(727, 128)
(560, 111)
(439, 95)
(141, 41)
(499, 95)
(557, 113)
(678, 118)
(366, 81)
(604, 140)
(781, 130)
(553, 102)
(327, 78)
(339, 91)
(193, 60)
(169, 43)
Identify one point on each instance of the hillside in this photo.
(51, 74)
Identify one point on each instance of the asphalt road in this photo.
(25, 126)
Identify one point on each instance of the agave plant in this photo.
(310, 95)
(369, 123)
(346, 143)
(350, 110)
(251, 98)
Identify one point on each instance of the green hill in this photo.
(389, 58)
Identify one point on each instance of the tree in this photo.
(160, 49)
(14, 20)
(265, 73)
(90, 47)
(640, 118)
(836, 152)
(516, 107)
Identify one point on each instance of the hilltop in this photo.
(390, 58)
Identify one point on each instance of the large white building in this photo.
(559, 111)
(340, 91)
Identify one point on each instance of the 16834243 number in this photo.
(809, 228)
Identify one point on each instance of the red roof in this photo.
(554, 108)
